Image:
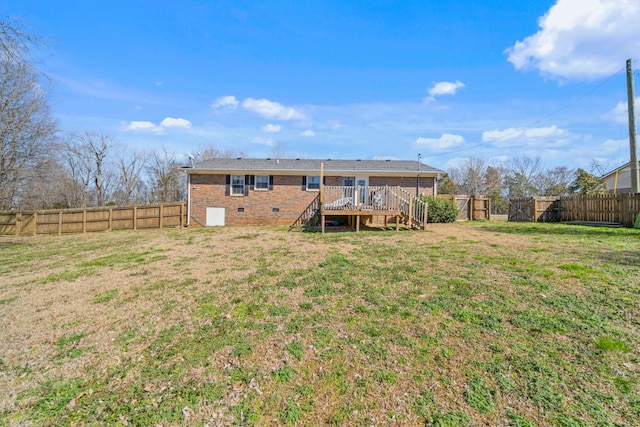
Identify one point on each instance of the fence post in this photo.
(472, 207)
(110, 219)
(135, 217)
(60, 222)
(160, 214)
(425, 215)
(410, 211)
(18, 223)
(84, 221)
(35, 223)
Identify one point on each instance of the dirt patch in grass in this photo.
(478, 322)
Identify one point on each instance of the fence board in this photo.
(622, 208)
(471, 207)
(69, 221)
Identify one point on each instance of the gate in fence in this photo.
(471, 207)
(620, 209)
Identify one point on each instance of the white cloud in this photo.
(447, 140)
(443, 88)
(142, 126)
(272, 128)
(308, 133)
(150, 127)
(272, 110)
(171, 122)
(581, 40)
(614, 146)
(269, 142)
(228, 101)
(543, 137)
(620, 114)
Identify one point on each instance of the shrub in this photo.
(441, 209)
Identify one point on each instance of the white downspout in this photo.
(188, 198)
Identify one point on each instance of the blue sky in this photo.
(345, 79)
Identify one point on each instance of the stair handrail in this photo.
(309, 212)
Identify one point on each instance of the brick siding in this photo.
(287, 196)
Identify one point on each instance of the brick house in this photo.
(278, 191)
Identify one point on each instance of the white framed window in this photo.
(262, 182)
(237, 185)
(313, 183)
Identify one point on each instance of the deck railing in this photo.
(374, 199)
(369, 197)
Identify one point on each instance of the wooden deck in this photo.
(369, 201)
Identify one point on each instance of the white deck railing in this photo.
(368, 197)
(375, 198)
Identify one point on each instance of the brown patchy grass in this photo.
(485, 324)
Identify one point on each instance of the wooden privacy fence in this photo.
(471, 207)
(606, 208)
(84, 220)
(534, 209)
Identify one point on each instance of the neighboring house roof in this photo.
(626, 167)
(312, 166)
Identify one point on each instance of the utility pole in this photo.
(635, 175)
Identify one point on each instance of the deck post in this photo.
(397, 223)
(357, 223)
(410, 212)
(322, 219)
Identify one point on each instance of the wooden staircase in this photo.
(310, 217)
(413, 210)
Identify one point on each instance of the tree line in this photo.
(520, 177)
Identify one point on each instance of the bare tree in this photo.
(469, 176)
(130, 186)
(554, 182)
(600, 167)
(15, 43)
(168, 183)
(45, 184)
(78, 191)
(521, 176)
(27, 129)
(278, 151)
(212, 152)
(86, 158)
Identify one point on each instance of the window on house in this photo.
(237, 185)
(313, 183)
(262, 182)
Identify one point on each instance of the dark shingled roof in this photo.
(392, 167)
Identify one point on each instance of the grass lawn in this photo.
(486, 323)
